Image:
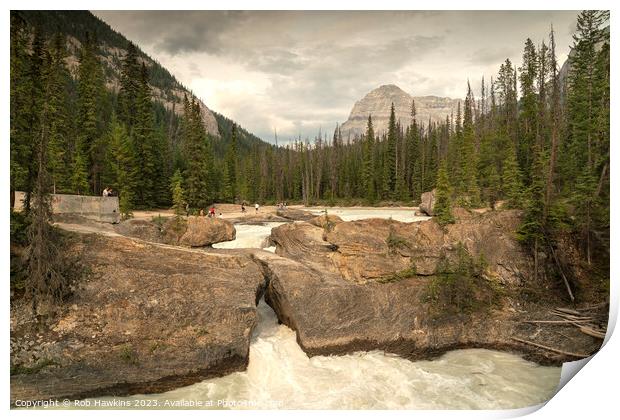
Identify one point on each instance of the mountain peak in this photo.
(377, 103)
(389, 88)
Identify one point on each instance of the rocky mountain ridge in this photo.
(166, 89)
(378, 102)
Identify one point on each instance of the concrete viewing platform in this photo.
(101, 209)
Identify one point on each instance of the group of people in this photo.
(108, 192)
(256, 207)
(282, 205)
(211, 213)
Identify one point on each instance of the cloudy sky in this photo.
(300, 71)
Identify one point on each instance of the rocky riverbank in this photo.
(150, 317)
(146, 318)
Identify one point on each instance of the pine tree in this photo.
(198, 157)
(227, 184)
(124, 171)
(390, 156)
(21, 110)
(368, 161)
(534, 226)
(454, 159)
(413, 139)
(178, 202)
(143, 135)
(126, 202)
(57, 78)
(582, 155)
(443, 207)
(469, 193)
(129, 87)
(529, 107)
(90, 91)
(79, 174)
(178, 195)
(45, 282)
(511, 181)
(555, 121)
(230, 167)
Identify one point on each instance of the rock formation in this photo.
(194, 231)
(329, 285)
(295, 214)
(148, 318)
(378, 102)
(427, 202)
(368, 250)
(205, 231)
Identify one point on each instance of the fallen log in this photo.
(592, 333)
(569, 311)
(551, 349)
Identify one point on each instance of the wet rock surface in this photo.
(147, 318)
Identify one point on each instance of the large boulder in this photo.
(427, 202)
(205, 231)
(148, 318)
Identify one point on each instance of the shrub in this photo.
(128, 354)
(399, 275)
(159, 222)
(395, 242)
(461, 286)
(30, 370)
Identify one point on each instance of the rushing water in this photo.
(281, 375)
(353, 213)
(251, 236)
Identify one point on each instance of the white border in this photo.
(592, 394)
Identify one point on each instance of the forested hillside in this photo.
(529, 138)
(92, 59)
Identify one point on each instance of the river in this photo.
(280, 375)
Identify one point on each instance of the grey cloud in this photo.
(314, 65)
(176, 32)
(489, 55)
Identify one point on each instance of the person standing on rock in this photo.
(242, 207)
(256, 207)
(212, 212)
(202, 213)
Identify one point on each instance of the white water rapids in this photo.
(250, 236)
(281, 375)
